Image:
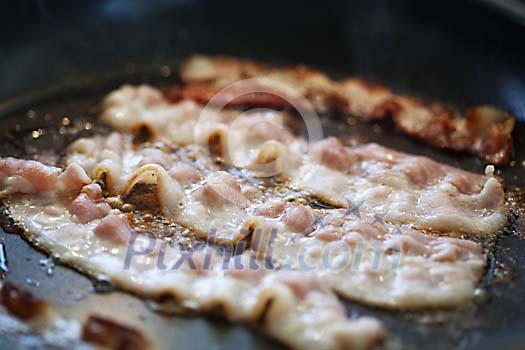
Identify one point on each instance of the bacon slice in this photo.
(210, 75)
(405, 189)
(367, 260)
(484, 131)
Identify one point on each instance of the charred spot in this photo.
(168, 304)
(217, 310)
(144, 197)
(21, 303)
(142, 134)
(214, 145)
(112, 335)
(389, 107)
(264, 312)
(319, 204)
(102, 181)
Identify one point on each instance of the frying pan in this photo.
(58, 58)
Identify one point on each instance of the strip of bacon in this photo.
(203, 94)
(368, 260)
(208, 75)
(404, 189)
(484, 131)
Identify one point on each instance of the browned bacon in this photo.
(112, 335)
(203, 94)
(483, 131)
(24, 305)
(211, 75)
(364, 99)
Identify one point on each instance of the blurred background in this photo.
(461, 51)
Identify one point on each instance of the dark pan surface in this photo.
(61, 65)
